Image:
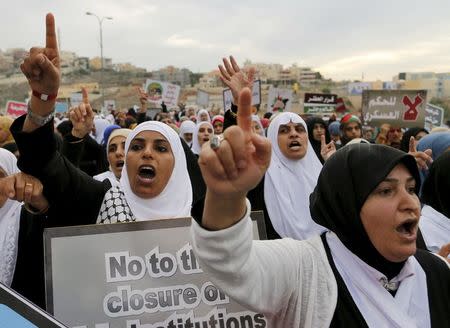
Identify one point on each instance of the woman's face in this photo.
(204, 117)
(420, 135)
(391, 215)
(116, 155)
(218, 127)
(150, 163)
(352, 130)
(293, 140)
(204, 134)
(188, 137)
(318, 131)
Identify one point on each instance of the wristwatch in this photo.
(38, 119)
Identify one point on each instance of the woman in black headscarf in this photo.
(364, 272)
(435, 219)
(415, 132)
(316, 128)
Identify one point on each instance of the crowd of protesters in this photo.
(358, 219)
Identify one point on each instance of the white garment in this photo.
(289, 281)
(100, 125)
(187, 127)
(409, 308)
(176, 198)
(9, 223)
(196, 148)
(435, 228)
(107, 175)
(288, 184)
(201, 111)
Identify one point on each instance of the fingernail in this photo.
(242, 164)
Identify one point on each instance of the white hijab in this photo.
(288, 184)
(176, 198)
(9, 224)
(435, 228)
(100, 125)
(187, 127)
(201, 111)
(196, 148)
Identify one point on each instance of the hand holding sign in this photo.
(82, 117)
(143, 99)
(423, 158)
(41, 66)
(326, 150)
(234, 78)
(24, 188)
(233, 167)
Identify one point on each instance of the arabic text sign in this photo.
(256, 96)
(202, 98)
(320, 103)
(159, 91)
(16, 108)
(141, 274)
(401, 108)
(434, 116)
(17, 311)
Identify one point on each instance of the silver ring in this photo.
(215, 141)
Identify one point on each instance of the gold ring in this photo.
(28, 184)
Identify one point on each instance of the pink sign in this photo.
(16, 108)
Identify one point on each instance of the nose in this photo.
(409, 202)
(148, 152)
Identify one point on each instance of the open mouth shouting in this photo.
(408, 229)
(146, 174)
(294, 145)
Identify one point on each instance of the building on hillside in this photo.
(437, 84)
(128, 68)
(96, 63)
(179, 76)
(210, 80)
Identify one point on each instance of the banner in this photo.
(256, 96)
(136, 275)
(61, 107)
(400, 108)
(17, 312)
(279, 100)
(202, 98)
(357, 88)
(159, 91)
(16, 108)
(320, 103)
(434, 116)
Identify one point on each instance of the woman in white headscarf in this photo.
(115, 151)
(291, 178)
(100, 125)
(187, 129)
(203, 116)
(203, 133)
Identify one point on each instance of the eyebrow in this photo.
(409, 179)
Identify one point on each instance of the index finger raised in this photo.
(244, 114)
(412, 145)
(85, 96)
(50, 34)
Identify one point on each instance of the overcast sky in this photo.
(341, 38)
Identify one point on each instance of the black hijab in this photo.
(436, 187)
(412, 132)
(346, 180)
(310, 122)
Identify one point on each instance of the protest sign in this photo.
(279, 100)
(434, 116)
(357, 88)
(401, 108)
(16, 311)
(76, 98)
(16, 108)
(256, 96)
(159, 92)
(61, 107)
(202, 98)
(140, 274)
(320, 103)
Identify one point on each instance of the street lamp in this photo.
(100, 22)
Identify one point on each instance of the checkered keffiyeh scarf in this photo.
(115, 208)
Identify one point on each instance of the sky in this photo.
(343, 39)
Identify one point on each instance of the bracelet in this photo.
(32, 210)
(43, 96)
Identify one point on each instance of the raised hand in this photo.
(143, 99)
(82, 117)
(24, 188)
(234, 167)
(326, 150)
(234, 78)
(423, 158)
(41, 66)
(445, 252)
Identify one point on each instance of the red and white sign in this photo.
(16, 108)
